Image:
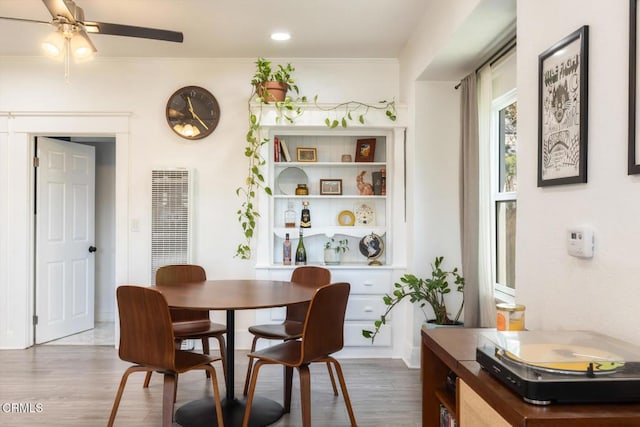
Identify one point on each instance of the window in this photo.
(505, 185)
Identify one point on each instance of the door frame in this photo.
(17, 283)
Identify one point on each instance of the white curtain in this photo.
(486, 301)
(469, 198)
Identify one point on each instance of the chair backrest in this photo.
(146, 332)
(308, 275)
(177, 274)
(323, 331)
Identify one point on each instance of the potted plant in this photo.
(334, 249)
(424, 291)
(272, 86)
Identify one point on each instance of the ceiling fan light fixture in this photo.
(54, 44)
(280, 36)
(81, 46)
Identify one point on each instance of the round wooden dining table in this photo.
(232, 295)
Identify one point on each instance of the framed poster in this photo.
(634, 139)
(562, 110)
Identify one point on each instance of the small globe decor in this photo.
(372, 247)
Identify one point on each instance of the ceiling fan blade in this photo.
(131, 31)
(26, 20)
(65, 8)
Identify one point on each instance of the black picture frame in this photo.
(633, 164)
(563, 82)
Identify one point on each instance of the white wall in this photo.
(141, 87)
(562, 292)
(436, 208)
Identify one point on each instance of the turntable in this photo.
(547, 367)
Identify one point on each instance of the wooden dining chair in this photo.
(322, 335)
(190, 324)
(147, 341)
(291, 328)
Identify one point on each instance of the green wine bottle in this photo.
(301, 253)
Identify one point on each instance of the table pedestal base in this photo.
(203, 412)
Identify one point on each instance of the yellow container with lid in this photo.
(302, 190)
(510, 317)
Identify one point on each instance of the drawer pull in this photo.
(368, 309)
(367, 284)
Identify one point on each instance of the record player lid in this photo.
(561, 351)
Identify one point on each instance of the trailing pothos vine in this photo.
(287, 110)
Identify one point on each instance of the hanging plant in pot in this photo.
(424, 291)
(272, 86)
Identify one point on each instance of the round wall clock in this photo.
(193, 112)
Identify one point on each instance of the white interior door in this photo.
(65, 222)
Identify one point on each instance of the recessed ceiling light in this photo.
(280, 36)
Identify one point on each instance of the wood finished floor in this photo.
(75, 386)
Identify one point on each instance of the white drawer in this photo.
(365, 307)
(353, 335)
(364, 281)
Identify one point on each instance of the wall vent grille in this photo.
(171, 195)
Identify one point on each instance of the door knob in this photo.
(92, 249)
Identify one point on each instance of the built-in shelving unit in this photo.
(330, 147)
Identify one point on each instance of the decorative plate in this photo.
(346, 218)
(288, 180)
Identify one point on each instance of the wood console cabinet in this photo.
(481, 400)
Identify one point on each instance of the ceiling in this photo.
(241, 28)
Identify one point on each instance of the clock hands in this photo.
(195, 116)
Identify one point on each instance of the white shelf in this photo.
(323, 196)
(331, 164)
(351, 231)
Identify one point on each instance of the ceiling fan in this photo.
(68, 18)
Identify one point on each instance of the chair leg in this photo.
(175, 389)
(147, 378)
(345, 393)
(305, 394)
(248, 378)
(205, 350)
(223, 355)
(333, 381)
(252, 389)
(123, 383)
(288, 379)
(168, 396)
(216, 393)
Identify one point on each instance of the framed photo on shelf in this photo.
(306, 154)
(365, 150)
(331, 187)
(634, 112)
(562, 110)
